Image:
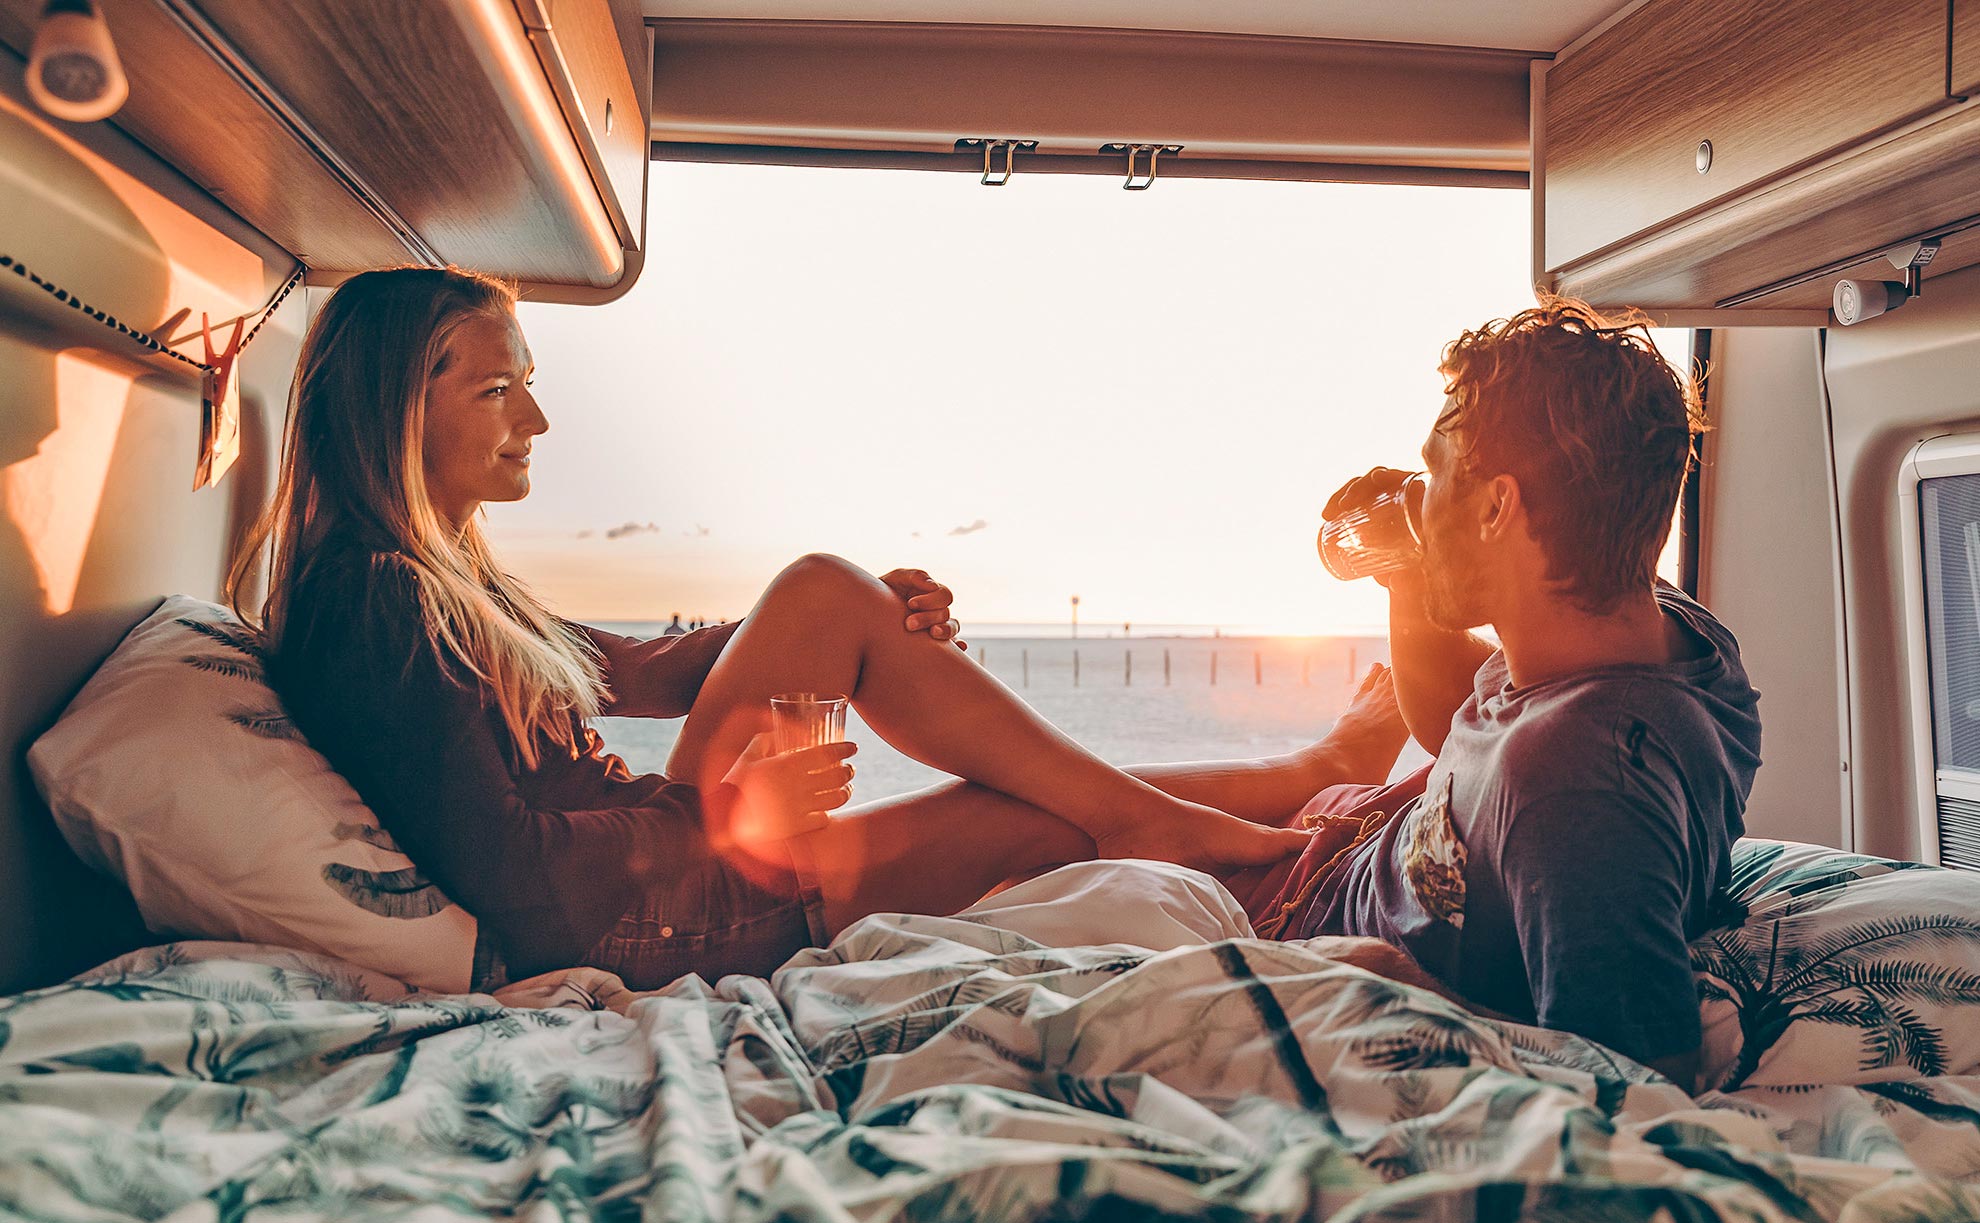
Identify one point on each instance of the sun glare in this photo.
(1055, 389)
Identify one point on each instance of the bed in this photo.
(971, 1067)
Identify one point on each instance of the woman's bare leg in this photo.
(936, 851)
(825, 625)
(942, 849)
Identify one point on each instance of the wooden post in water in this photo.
(1257, 669)
(1127, 668)
(1213, 668)
(1075, 668)
(1165, 666)
(1353, 665)
(1027, 668)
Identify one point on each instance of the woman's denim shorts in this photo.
(714, 917)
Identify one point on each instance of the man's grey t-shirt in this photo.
(1569, 842)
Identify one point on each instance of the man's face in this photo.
(1455, 573)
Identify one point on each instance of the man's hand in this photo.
(1363, 489)
(787, 795)
(927, 603)
(1360, 491)
(1377, 957)
(1434, 666)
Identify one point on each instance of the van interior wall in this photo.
(98, 519)
(1893, 382)
(1768, 568)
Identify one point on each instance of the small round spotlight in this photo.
(1856, 300)
(73, 72)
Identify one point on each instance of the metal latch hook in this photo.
(991, 176)
(1136, 181)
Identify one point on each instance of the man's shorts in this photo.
(715, 917)
(1278, 898)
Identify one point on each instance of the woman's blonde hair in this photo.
(353, 467)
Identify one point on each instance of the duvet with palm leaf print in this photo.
(921, 1067)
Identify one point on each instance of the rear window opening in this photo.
(1048, 390)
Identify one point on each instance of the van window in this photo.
(1048, 390)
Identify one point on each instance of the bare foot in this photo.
(1367, 739)
(1203, 837)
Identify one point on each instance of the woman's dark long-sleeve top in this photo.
(547, 859)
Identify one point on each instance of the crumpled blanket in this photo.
(922, 1067)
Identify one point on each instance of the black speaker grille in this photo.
(1959, 832)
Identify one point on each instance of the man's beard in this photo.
(1451, 585)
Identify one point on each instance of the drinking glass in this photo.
(806, 719)
(1379, 536)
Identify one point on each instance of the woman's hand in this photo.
(787, 794)
(928, 604)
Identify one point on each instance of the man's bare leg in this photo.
(1361, 748)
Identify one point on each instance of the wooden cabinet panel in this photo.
(1918, 183)
(429, 104)
(1961, 250)
(919, 87)
(1964, 61)
(1772, 84)
(186, 108)
(586, 49)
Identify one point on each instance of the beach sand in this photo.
(1270, 695)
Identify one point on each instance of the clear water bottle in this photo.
(1378, 536)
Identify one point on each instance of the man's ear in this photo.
(1501, 510)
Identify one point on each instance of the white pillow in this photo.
(1835, 968)
(176, 770)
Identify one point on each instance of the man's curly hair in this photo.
(1598, 428)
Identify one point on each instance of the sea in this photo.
(1163, 693)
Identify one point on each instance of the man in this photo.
(1591, 770)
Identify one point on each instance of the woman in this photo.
(457, 704)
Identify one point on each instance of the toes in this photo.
(1378, 677)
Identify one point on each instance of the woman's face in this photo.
(480, 418)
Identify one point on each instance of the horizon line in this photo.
(1106, 630)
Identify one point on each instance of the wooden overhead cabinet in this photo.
(1700, 153)
(507, 136)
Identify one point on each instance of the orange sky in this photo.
(1049, 389)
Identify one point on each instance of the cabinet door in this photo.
(597, 42)
(1771, 84)
(1965, 59)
